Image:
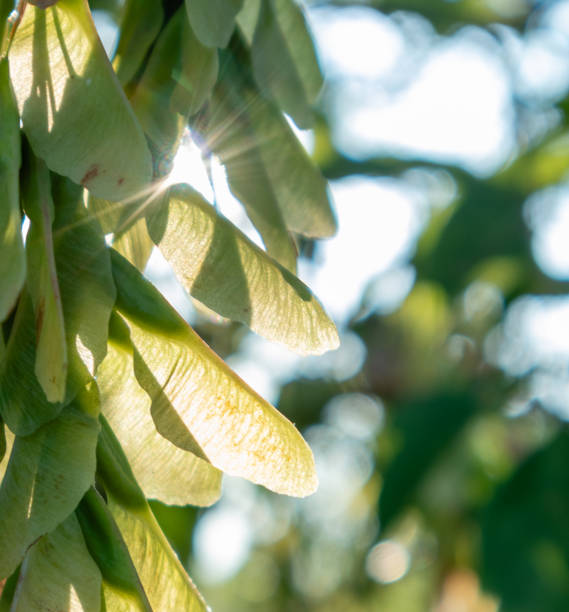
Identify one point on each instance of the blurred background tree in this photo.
(439, 425)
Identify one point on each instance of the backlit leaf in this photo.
(232, 138)
(221, 267)
(135, 244)
(48, 473)
(246, 130)
(59, 574)
(284, 59)
(63, 79)
(193, 389)
(163, 470)
(213, 21)
(12, 261)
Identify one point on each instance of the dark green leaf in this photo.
(426, 426)
(12, 261)
(525, 536)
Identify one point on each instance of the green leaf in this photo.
(87, 294)
(163, 470)
(196, 73)
(178, 79)
(63, 79)
(135, 244)
(140, 24)
(221, 267)
(284, 59)
(247, 19)
(51, 346)
(13, 261)
(122, 590)
(254, 140)
(232, 138)
(167, 589)
(48, 473)
(525, 536)
(239, 432)
(213, 21)
(24, 407)
(59, 574)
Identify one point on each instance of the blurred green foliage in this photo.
(472, 487)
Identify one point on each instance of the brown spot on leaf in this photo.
(39, 316)
(90, 174)
(120, 181)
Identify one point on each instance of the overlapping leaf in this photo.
(43, 284)
(165, 581)
(163, 578)
(48, 473)
(135, 244)
(254, 140)
(284, 59)
(63, 79)
(140, 25)
(24, 407)
(247, 19)
(232, 137)
(58, 573)
(87, 295)
(163, 470)
(193, 391)
(177, 81)
(122, 590)
(213, 21)
(12, 261)
(222, 268)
